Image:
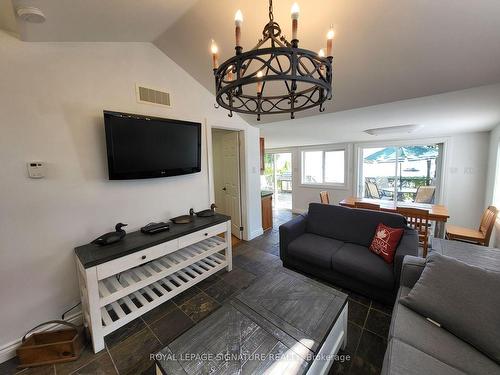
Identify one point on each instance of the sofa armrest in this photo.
(411, 270)
(407, 246)
(290, 231)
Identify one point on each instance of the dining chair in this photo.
(367, 206)
(425, 194)
(480, 236)
(324, 197)
(418, 219)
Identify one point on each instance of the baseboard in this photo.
(8, 351)
(255, 233)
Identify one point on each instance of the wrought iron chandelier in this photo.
(282, 78)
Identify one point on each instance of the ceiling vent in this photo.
(151, 96)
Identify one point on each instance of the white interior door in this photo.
(231, 180)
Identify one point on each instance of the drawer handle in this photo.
(143, 257)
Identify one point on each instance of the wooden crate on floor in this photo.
(43, 348)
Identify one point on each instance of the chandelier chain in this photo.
(271, 16)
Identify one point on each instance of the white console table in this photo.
(122, 281)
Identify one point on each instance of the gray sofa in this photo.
(417, 346)
(331, 242)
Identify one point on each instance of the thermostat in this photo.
(36, 169)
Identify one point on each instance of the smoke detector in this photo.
(31, 14)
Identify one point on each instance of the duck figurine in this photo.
(111, 237)
(206, 213)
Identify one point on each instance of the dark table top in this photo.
(91, 255)
(278, 323)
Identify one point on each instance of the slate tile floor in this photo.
(128, 349)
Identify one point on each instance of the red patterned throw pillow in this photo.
(386, 241)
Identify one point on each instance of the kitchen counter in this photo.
(265, 193)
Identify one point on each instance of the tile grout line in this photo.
(112, 360)
(151, 330)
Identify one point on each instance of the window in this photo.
(324, 167)
(403, 173)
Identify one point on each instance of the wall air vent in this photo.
(147, 95)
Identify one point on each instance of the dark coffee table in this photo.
(283, 323)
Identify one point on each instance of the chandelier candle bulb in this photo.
(230, 73)
(295, 20)
(259, 84)
(215, 55)
(238, 21)
(329, 42)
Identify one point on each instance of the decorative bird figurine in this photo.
(111, 237)
(207, 213)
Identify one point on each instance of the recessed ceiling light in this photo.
(393, 129)
(31, 14)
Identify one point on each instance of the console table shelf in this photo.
(117, 289)
(133, 305)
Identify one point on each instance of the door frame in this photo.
(284, 151)
(243, 150)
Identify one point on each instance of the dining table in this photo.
(437, 212)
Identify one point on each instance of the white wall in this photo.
(51, 102)
(464, 178)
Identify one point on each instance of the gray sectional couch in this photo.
(417, 346)
(331, 242)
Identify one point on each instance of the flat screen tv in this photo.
(147, 147)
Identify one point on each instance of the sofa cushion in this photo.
(403, 359)
(464, 299)
(361, 264)
(415, 330)
(349, 224)
(386, 241)
(314, 249)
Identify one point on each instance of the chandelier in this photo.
(280, 78)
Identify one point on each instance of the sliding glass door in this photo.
(277, 178)
(407, 173)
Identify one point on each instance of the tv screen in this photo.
(146, 147)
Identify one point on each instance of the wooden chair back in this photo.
(425, 194)
(487, 223)
(367, 206)
(372, 190)
(324, 197)
(418, 219)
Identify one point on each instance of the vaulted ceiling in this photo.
(385, 50)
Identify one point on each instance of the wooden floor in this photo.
(234, 240)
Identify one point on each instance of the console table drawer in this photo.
(133, 260)
(201, 235)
